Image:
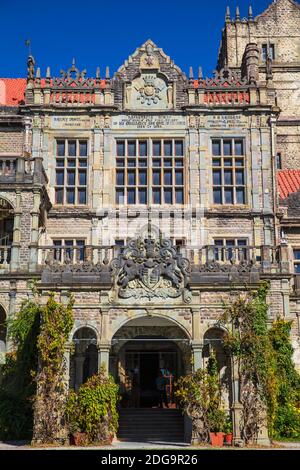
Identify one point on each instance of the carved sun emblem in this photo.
(150, 92)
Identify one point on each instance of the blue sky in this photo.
(105, 32)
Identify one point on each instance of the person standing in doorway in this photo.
(161, 388)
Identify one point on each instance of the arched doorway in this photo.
(2, 335)
(213, 341)
(6, 231)
(143, 349)
(84, 360)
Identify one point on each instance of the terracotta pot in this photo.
(216, 439)
(228, 438)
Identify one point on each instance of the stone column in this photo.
(197, 343)
(237, 407)
(197, 348)
(15, 250)
(33, 257)
(105, 344)
(67, 357)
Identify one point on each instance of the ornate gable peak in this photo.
(149, 47)
(278, 3)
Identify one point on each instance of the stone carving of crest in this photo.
(151, 269)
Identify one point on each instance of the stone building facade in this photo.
(154, 197)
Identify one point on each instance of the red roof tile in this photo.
(12, 91)
(288, 182)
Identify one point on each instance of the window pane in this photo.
(156, 196)
(143, 163)
(156, 162)
(120, 162)
(143, 178)
(131, 163)
(82, 163)
(72, 148)
(70, 196)
(168, 148)
(168, 178)
(156, 177)
(168, 196)
(228, 196)
(227, 147)
(156, 148)
(239, 150)
(219, 242)
(230, 243)
(179, 177)
(297, 268)
(228, 162)
(216, 162)
(71, 163)
(131, 178)
(61, 148)
(142, 196)
(131, 196)
(83, 148)
(216, 147)
(120, 148)
(143, 148)
(82, 178)
(240, 196)
(217, 196)
(81, 196)
(228, 177)
(132, 148)
(179, 148)
(179, 195)
(59, 196)
(60, 163)
(264, 52)
(120, 178)
(239, 162)
(179, 162)
(296, 254)
(217, 180)
(239, 177)
(60, 177)
(71, 178)
(68, 243)
(242, 242)
(167, 162)
(120, 196)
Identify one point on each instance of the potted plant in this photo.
(216, 423)
(228, 431)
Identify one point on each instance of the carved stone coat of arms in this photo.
(151, 269)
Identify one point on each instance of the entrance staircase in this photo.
(151, 425)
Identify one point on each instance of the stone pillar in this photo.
(103, 356)
(67, 356)
(197, 348)
(237, 407)
(197, 343)
(15, 250)
(33, 256)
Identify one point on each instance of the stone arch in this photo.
(79, 326)
(213, 340)
(84, 360)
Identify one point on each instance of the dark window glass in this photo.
(216, 162)
(82, 163)
(120, 242)
(120, 162)
(80, 251)
(143, 148)
(60, 163)
(227, 147)
(239, 150)
(156, 162)
(167, 148)
(228, 177)
(131, 163)
(142, 196)
(143, 178)
(61, 148)
(168, 178)
(216, 147)
(120, 178)
(70, 196)
(60, 177)
(242, 242)
(120, 148)
(239, 177)
(297, 268)
(142, 163)
(59, 196)
(168, 196)
(278, 161)
(83, 148)
(228, 196)
(179, 177)
(71, 163)
(217, 179)
(131, 196)
(179, 162)
(131, 178)
(120, 196)
(82, 178)
(156, 196)
(179, 196)
(156, 148)
(240, 196)
(227, 161)
(81, 196)
(72, 148)
(297, 254)
(217, 196)
(179, 148)
(239, 162)
(167, 162)
(71, 178)
(132, 148)
(156, 177)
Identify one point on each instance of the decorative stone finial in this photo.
(237, 14)
(73, 62)
(107, 73)
(191, 73)
(250, 13)
(227, 17)
(98, 72)
(48, 73)
(200, 73)
(38, 73)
